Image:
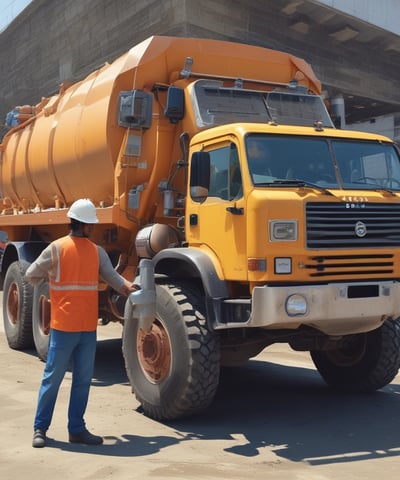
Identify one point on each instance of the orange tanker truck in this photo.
(224, 189)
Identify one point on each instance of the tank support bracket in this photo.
(141, 305)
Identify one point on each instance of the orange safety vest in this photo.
(74, 285)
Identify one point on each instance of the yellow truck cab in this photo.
(300, 239)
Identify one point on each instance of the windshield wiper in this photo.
(296, 183)
(376, 187)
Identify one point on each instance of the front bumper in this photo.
(334, 309)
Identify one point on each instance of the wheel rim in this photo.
(44, 315)
(13, 303)
(154, 351)
(350, 353)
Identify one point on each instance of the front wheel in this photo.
(364, 362)
(17, 307)
(41, 319)
(174, 368)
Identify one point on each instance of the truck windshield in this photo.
(327, 163)
(215, 104)
(369, 165)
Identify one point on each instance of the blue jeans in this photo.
(65, 348)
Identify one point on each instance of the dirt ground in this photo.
(272, 419)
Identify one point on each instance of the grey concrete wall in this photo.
(57, 40)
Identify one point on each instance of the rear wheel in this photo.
(41, 319)
(173, 368)
(364, 362)
(17, 307)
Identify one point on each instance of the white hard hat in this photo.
(84, 211)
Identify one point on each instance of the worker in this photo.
(72, 265)
(259, 157)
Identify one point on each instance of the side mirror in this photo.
(175, 108)
(199, 176)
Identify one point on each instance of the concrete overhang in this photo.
(352, 57)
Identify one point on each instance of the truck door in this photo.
(218, 220)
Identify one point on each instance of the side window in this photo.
(226, 178)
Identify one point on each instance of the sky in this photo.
(9, 9)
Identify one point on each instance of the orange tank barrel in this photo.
(71, 147)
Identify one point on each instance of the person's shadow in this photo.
(126, 445)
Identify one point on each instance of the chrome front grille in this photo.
(352, 225)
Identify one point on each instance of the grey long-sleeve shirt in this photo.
(41, 268)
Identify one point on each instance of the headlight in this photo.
(283, 230)
(296, 305)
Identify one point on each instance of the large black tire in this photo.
(41, 319)
(174, 368)
(366, 362)
(17, 307)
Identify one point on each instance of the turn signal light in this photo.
(257, 264)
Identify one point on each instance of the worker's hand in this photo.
(130, 287)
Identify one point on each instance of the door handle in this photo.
(235, 210)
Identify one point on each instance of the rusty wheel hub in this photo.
(350, 353)
(44, 312)
(13, 303)
(154, 352)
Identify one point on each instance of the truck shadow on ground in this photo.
(287, 410)
(291, 411)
